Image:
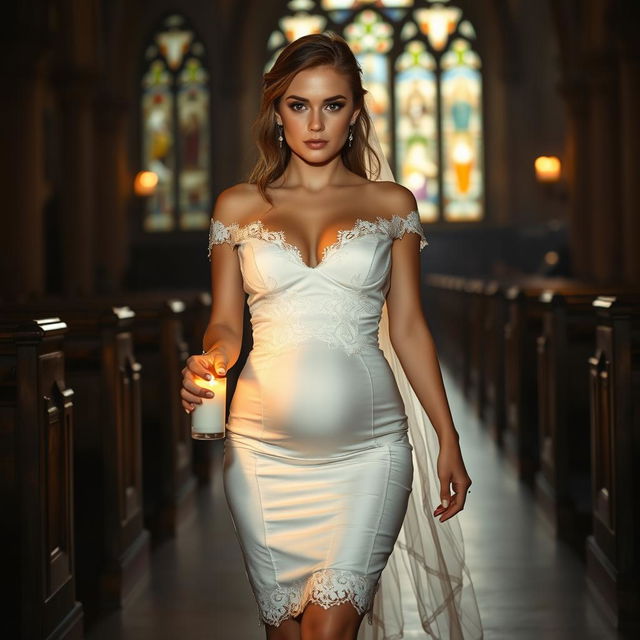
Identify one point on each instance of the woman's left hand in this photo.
(451, 471)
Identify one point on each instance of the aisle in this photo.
(197, 589)
(529, 587)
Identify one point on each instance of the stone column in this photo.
(75, 88)
(577, 171)
(22, 95)
(630, 160)
(113, 187)
(604, 175)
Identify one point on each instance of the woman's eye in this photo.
(335, 104)
(293, 105)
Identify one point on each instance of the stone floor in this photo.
(529, 586)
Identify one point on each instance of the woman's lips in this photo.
(315, 144)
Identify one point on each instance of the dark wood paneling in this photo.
(613, 552)
(37, 448)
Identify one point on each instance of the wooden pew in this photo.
(447, 306)
(112, 545)
(196, 309)
(169, 483)
(520, 436)
(476, 344)
(493, 323)
(613, 551)
(523, 326)
(158, 332)
(36, 482)
(563, 480)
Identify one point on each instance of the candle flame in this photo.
(213, 384)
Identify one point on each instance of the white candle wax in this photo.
(208, 419)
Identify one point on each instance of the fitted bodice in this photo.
(338, 301)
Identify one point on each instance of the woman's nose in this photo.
(315, 123)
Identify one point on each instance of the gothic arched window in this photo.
(175, 128)
(425, 91)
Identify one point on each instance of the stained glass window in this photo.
(175, 129)
(370, 38)
(424, 79)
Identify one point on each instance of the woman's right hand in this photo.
(200, 366)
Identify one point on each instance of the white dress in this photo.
(318, 465)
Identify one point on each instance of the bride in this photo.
(331, 466)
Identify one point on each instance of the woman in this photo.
(318, 468)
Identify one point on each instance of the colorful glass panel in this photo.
(438, 23)
(416, 126)
(173, 46)
(301, 24)
(193, 110)
(371, 38)
(355, 4)
(432, 87)
(158, 145)
(175, 129)
(462, 133)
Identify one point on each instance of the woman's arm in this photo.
(222, 340)
(409, 330)
(412, 341)
(224, 331)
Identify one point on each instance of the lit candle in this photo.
(208, 419)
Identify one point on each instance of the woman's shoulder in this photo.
(392, 198)
(237, 203)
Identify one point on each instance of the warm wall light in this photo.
(547, 168)
(145, 183)
(551, 258)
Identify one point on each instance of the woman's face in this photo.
(317, 105)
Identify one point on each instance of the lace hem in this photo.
(325, 587)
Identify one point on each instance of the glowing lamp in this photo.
(547, 168)
(145, 183)
(208, 419)
(551, 258)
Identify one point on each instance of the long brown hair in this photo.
(304, 53)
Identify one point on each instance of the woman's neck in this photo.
(313, 178)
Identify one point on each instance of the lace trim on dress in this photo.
(410, 223)
(219, 233)
(289, 326)
(326, 587)
(395, 227)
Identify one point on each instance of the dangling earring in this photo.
(280, 129)
(350, 134)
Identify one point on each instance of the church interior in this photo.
(514, 123)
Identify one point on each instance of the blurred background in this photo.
(515, 124)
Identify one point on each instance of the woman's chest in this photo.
(269, 262)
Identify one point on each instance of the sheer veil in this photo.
(426, 582)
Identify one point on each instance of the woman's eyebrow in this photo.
(325, 100)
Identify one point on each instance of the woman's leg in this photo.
(288, 630)
(339, 622)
